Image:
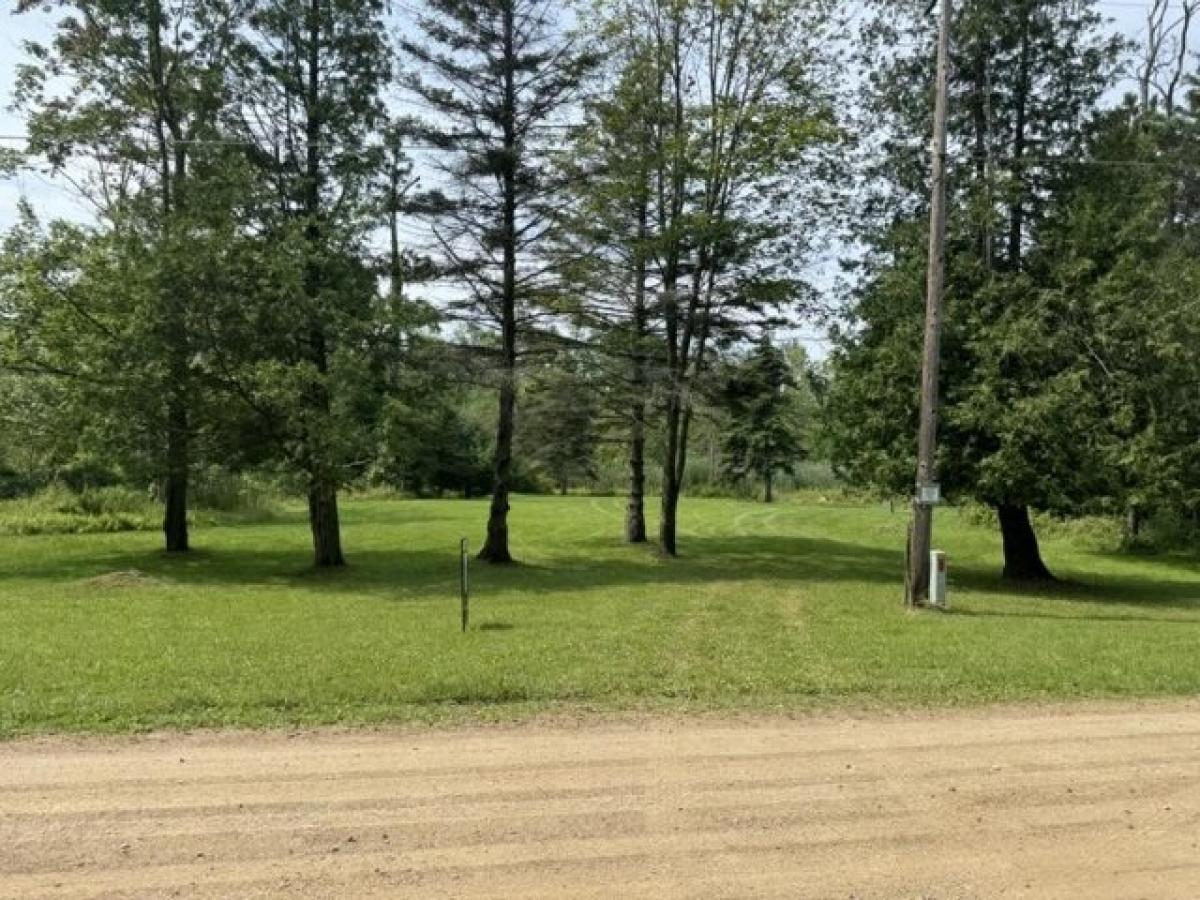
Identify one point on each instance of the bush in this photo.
(87, 474)
(14, 484)
(1089, 532)
(106, 501)
(1166, 530)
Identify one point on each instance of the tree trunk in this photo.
(670, 486)
(981, 116)
(495, 548)
(175, 522)
(678, 428)
(1016, 222)
(769, 484)
(635, 509)
(667, 527)
(1022, 556)
(326, 529)
(172, 172)
(1133, 523)
(322, 492)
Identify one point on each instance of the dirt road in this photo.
(1094, 803)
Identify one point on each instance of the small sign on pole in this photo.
(464, 583)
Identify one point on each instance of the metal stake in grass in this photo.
(464, 583)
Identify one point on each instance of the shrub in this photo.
(1166, 530)
(14, 484)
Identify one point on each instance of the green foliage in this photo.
(559, 422)
(219, 497)
(1022, 412)
(240, 495)
(228, 310)
(59, 510)
(429, 448)
(762, 434)
(1168, 529)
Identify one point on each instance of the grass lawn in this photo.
(771, 608)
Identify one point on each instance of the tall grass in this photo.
(216, 498)
(59, 510)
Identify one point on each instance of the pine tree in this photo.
(761, 437)
(559, 435)
(499, 74)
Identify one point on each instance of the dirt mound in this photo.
(130, 578)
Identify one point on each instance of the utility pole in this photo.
(928, 492)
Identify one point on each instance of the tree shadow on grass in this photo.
(1069, 617)
(1164, 559)
(1146, 591)
(419, 574)
(413, 573)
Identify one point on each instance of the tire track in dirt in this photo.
(1097, 802)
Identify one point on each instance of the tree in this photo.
(498, 73)
(429, 447)
(300, 354)
(433, 436)
(77, 306)
(606, 242)
(560, 414)
(761, 438)
(1125, 270)
(132, 90)
(737, 122)
(1017, 409)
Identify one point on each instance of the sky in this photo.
(49, 199)
(54, 200)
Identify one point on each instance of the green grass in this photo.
(789, 607)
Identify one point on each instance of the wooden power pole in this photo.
(928, 492)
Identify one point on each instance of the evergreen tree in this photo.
(1125, 270)
(761, 437)
(1017, 413)
(300, 354)
(429, 448)
(499, 73)
(559, 435)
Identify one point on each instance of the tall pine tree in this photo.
(500, 75)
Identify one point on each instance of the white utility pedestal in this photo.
(938, 570)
